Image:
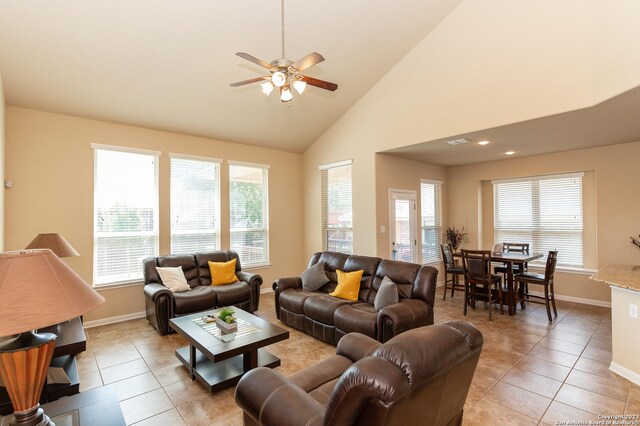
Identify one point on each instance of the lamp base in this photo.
(32, 417)
(24, 361)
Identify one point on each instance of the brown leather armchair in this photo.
(161, 304)
(419, 377)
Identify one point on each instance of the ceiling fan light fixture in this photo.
(285, 94)
(299, 85)
(279, 78)
(267, 88)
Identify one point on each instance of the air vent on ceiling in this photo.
(459, 141)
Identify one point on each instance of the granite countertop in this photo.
(623, 276)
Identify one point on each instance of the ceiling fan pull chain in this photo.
(282, 18)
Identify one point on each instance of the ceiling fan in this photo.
(284, 73)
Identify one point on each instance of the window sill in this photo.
(256, 266)
(565, 269)
(120, 284)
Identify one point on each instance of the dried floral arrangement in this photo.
(455, 237)
(635, 241)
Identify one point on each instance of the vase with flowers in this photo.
(455, 237)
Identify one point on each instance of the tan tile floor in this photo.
(530, 371)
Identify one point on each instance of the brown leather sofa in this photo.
(162, 304)
(420, 377)
(329, 318)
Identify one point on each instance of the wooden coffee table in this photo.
(217, 364)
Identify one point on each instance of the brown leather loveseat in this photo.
(162, 304)
(420, 377)
(329, 318)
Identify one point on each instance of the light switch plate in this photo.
(383, 229)
(633, 310)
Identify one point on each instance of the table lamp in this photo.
(37, 289)
(56, 242)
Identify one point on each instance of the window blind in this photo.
(195, 205)
(125, 214)
(337, 216)
(545, 212)
(430, 221)
(249, 222)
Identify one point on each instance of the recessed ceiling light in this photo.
(484, 142)
(510, 152)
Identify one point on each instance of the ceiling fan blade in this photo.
(310, 60)
(251, 80)
(254, 60)
(320, 83)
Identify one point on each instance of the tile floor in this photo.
(530, 371)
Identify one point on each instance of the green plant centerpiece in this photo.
(226, 315)
(226, 322)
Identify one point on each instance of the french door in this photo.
(402, 225)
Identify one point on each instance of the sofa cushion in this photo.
(387, 294)
(332, 261)
(357, 317)
(173, 279)
(368, 265)
(314, 277)
(323, 372)
(292, 299)
(322, 307)
(402, 273)
(188, 264)
(199, 298)
(202, 262)
(223, 273)
(348, 285)
(231, 294)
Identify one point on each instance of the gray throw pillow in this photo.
(314, 277)
(387, 294)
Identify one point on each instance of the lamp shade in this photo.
(55, 242)
(37, 290)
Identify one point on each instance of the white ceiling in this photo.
(167, 64)
(611, 122)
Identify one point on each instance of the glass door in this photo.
(403, 235)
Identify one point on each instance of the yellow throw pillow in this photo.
(223, 272)
(348, 285)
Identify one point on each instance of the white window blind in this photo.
(248, 202)
(195, 205)
(545, 212)
(430, 222)
(125, 214)
(337, 216)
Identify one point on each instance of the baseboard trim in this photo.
(592, 302)
(631, 376)
(266, 290)
(113, 320)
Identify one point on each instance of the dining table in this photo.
(509, 259)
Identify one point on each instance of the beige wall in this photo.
(50, 159)
(487, 64)
(610, 205)
(2, 167)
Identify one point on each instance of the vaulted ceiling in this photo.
(168, 64)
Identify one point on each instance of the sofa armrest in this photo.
(356, 346)
(424, 286)
(281, 284)
(254, 281)
(153, 291)
(399, 317)
(267, 396)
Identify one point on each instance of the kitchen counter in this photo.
(622, 276)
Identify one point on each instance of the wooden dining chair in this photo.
(546, 280)
(479, 282)
(518, 268)
(452, 272)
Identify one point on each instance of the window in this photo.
(337, 217)
(125, 212)
(249, 207)
(430, 223)
(195, 204)
(544, 211)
